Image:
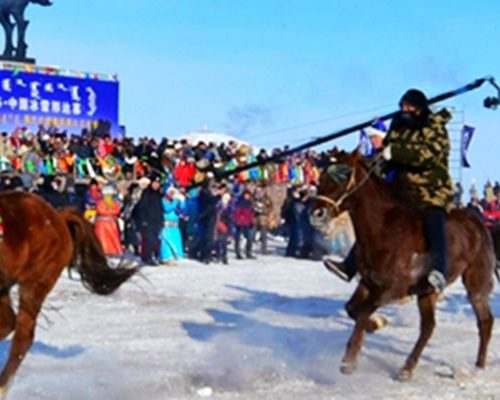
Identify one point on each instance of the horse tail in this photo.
(89, 258)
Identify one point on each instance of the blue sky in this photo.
(278, 71)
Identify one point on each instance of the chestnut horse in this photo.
(38, 243)
(391, 255)
(495, 233)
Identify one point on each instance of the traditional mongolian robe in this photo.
(106, 226)
(171, 246)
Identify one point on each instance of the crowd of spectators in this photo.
(160, 199)
(486, 207)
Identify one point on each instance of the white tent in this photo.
(193, 138)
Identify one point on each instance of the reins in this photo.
(351, 187)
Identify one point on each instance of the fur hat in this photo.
(202, 164)
(144, 182)
(225, 199)
(100, 179)
(169, 151)
(108, 190)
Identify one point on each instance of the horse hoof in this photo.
(404, 375)
(3, 391)
(380, 321)
(404, 300)
(377, 322)
(347, 368)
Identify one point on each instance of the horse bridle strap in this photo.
(326, 199)
(350, 188)
(337, 203)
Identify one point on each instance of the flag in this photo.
(467, 132)
(365, 144)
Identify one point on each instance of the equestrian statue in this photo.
(11, 17)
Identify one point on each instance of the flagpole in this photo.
(461, 155)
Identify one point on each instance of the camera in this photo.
(491, 102)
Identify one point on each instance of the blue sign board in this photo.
(68, 102)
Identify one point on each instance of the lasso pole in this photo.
(335, 135)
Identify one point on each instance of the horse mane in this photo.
(389, 190)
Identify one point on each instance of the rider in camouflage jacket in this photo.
(417, 149)
(419, 156)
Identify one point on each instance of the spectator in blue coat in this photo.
(171, 246)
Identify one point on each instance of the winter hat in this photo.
(144, 182)
(377, 128)
(225, 199)
(202, 164)
(416, 98)
(108, 190)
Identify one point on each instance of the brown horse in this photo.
(495, 233)
(37, 244)
(391, 255)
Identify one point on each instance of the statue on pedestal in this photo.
(12, 17)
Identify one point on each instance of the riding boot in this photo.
(344, 269)
(434, 224)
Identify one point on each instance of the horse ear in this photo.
(356, 154)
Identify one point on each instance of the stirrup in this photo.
(437, 280)
(336, 268)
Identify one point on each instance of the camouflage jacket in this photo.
(422, 157)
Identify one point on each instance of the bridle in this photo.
(351, 187)
(337, 203)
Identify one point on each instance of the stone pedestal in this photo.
(14, 60)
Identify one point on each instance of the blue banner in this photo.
(365, 144)
(467, 133)
(33, 98)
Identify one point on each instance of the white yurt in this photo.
(208, 136)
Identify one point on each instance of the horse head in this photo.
(336, 182)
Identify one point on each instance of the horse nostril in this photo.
(319, 217)
(318, 213)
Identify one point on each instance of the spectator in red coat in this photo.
(244, 222)
(184, 171)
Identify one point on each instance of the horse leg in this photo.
(478, 291)
(427, 309)
(360, 295)
(7, 316)
(361, 312)
(31, 297)
(485, 325)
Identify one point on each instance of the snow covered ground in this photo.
(272, 328)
